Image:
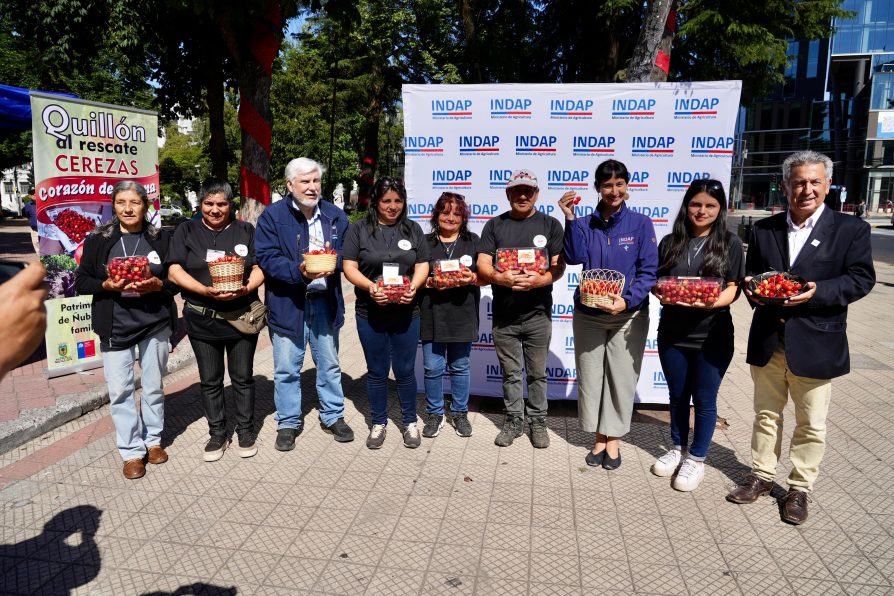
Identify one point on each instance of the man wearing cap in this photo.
(522, 302)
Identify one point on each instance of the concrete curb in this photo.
(33, 423)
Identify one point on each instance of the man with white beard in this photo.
(304, 307)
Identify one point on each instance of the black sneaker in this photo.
(461, 424)
(433, 425)
(215, 447)
(285, 439)
(513, 427)
(539, 435)
(247, 445)
(340, 430)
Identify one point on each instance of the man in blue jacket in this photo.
(304, 307)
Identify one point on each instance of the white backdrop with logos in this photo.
(469, 138)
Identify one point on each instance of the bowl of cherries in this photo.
(449, 273)
(394, 291)
(227, 273)
(689, 290)
(521, 259)
(130, 269)
(775, 287)
(320, 261)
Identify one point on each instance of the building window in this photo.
(7, 187)
(813, 59)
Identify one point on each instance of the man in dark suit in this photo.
(798, 348)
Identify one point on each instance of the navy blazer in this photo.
(838, 258)
(277, 235)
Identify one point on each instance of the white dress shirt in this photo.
(317, 241)
(798, 235)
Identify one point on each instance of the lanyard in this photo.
(136, 246)
(390, 239)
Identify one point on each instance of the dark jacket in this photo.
(626, 244)
(92, 272)
(276, 248)
(838, 257)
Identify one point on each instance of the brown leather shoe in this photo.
(134, 468)
(157, 455)
(749, 490)
(794, 507)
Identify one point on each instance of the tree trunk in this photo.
(655, 36)
(217, 145)
(473, 58)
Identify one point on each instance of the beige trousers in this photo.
(773, 384)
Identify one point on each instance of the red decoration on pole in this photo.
(671, 23)
(663, 61)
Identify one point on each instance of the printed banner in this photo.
(469, 138)
(81, 149)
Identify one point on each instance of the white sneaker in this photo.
(668, 463)
(690, 475)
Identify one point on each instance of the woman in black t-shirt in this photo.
(388, 247)
(133, 314)
(449, 315)
(195, 244)
(695, 340)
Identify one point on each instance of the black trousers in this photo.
(240, 355)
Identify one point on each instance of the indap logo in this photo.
(658, 380)
(546, 209)
(488, 310)
(571, 109)
(421, 145)
(634, 108)
(421, 211)
(482, 211)
(485, 342)
(573, 279)
(680, 180)
(444, 179)
(493, 372)
(584, 146)
(567, 179)
(569, 344)
(563, 312)
(559, 375)
(696, 108)
(651, 347)
(535, 145)
(712, 146)
(639, 181)
(497, 179)
(479, 145)
(647, 146)
(659, 215)
(451, 109)
(507, 107)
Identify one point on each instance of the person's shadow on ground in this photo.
(63, 557)
(196, 589)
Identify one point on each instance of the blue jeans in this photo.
(696, 375)
(436, 357)
(390, 346)
(288, 358)
(136, 431)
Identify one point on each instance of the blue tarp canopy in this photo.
(15, 107)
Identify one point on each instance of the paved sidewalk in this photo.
(456, 516)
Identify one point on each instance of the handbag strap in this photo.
(203, 310)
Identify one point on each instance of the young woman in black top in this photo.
(195, 244)
(695, 341)
(133, 320)
(387, 244)
(449, 316)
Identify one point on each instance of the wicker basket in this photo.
(227, 277)
(320, 263)
(596, 284)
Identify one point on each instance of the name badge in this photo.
(815, 243)
(241, 250)
(391, 274)
(539, 240)
(154, 258)
(404, 244)
(466, 260)
(213, 255)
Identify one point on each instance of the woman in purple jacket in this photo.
(610, 339)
